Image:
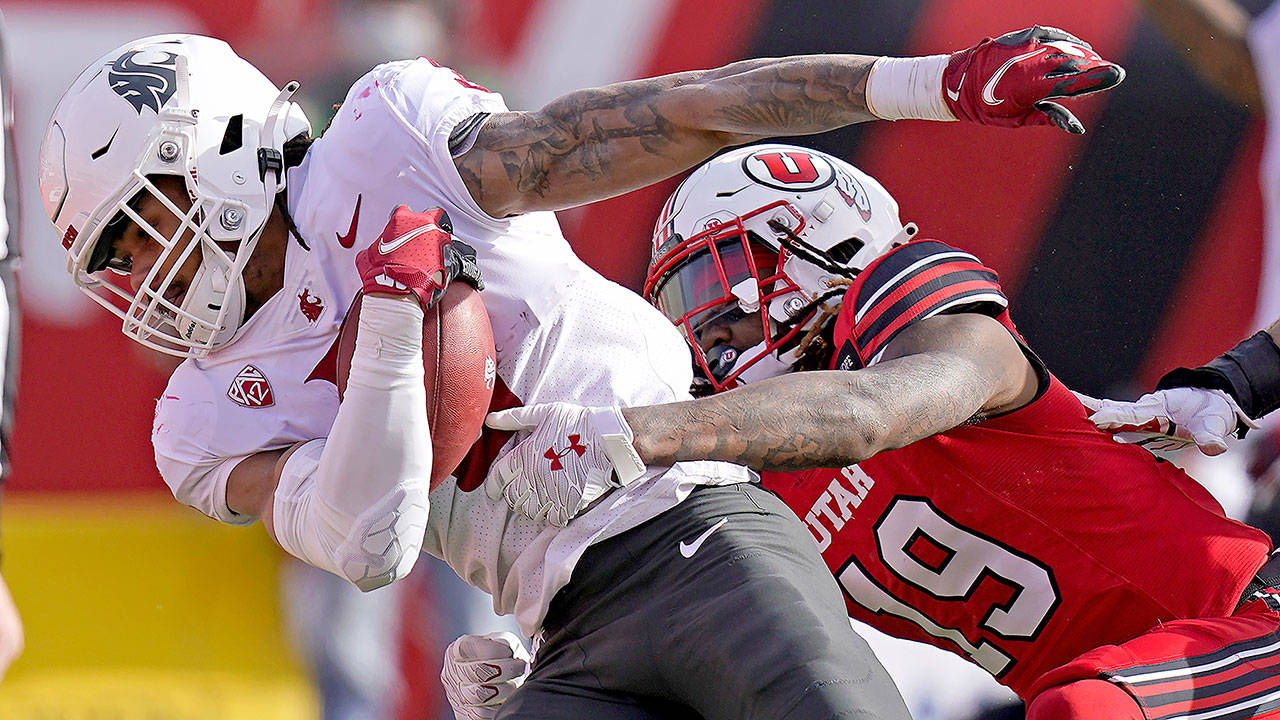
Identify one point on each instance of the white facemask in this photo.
(767, 367)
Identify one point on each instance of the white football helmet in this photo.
(772, 226)
(181, 105)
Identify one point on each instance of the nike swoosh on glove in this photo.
(416, 254)
(481, 671)
(1172, 419)
(1010, 81)
(570, 456)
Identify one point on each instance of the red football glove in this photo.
(416, 254)
(1008, 81)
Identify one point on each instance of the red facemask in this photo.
(716, 276)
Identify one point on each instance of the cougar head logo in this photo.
(144, 83)
(310, 305)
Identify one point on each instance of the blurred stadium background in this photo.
(1130, 249)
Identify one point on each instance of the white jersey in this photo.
(561, 330)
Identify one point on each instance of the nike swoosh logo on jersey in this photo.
(988, 90)
(688, 549)
(955, 94)
(386, 247)
(349, 239)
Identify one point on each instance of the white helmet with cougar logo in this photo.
(181, 105)
(776, 226)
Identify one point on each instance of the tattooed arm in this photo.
(937, 374)
(593, 144)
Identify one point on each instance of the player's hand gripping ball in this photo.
(417, 252)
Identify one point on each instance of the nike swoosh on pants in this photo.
(688, 549)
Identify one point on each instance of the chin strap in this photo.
(218, 288)
(809, 253)
(270, 157)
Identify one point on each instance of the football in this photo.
(458, 357)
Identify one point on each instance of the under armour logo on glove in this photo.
(599, 440)
(574, 447)
(1010, 81)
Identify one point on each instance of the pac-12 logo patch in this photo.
(792, 170)
(145, 81)
(251, 389)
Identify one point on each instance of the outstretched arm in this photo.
(596, 143)
(943, 372)
(938, 373)
(630, 134)
(1201, 406)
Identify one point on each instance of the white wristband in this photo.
(616, 436)
(908, 88)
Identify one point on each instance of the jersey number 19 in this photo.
(932, 553)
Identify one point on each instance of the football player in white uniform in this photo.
(235, 242)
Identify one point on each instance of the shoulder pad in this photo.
(915, 281)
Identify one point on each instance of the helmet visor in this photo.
(722, 274)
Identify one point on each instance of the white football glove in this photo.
(1172, 419)
(480, 673)
(570, 456)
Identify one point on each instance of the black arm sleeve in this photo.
(1248, 372)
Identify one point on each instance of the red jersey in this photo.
(1021, 541)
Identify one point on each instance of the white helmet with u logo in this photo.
(776, 227)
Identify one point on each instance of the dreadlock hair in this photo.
(814, 348)
(294, 150)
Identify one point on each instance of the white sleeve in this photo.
(179, 440)
(356, 504)
(433, 100)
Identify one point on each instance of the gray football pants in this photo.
(750, 625)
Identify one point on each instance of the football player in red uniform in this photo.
(956, 488)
